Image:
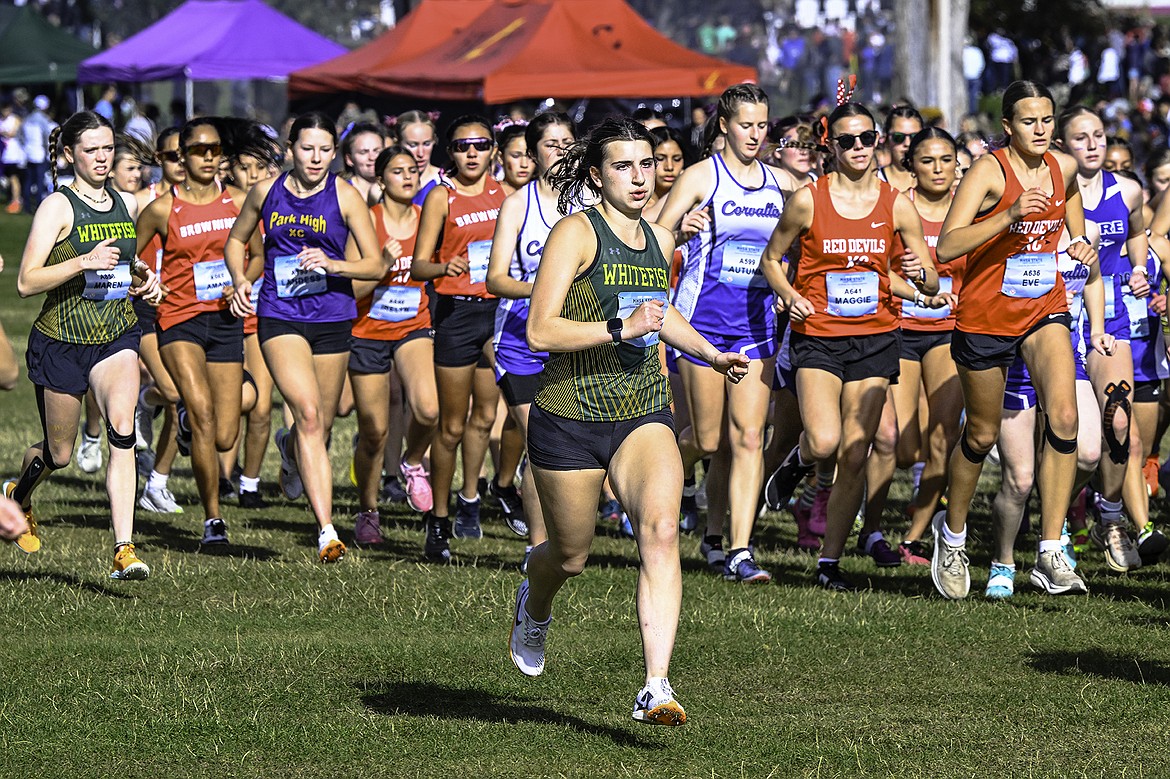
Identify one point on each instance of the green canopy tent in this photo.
(33, 51)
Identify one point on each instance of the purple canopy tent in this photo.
(201, 41)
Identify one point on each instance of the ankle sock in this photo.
(952, 538)
(248, 484)
(157, 481)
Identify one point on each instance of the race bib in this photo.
(395, 303)
(741, 264)
(1029, 275)
(628, 302)
(1138, 311)
(910, 308)
(113, 284)
(478, 253)
(1076, 310)
(256, 285)
(852, 294)
(292, 281)
(210, 279)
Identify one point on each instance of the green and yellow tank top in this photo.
(93, 307)
(619, 381)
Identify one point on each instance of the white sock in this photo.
(657, 683)
(86, 437)
(248, 484)
(872, 539)
(952, 538)
(1051, 546)
(327, 532)
(157, 481)
(1110, 510)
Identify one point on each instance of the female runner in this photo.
(925, 364)
(80, 252)
(201, 341)
(1007, 217)
(360, 146)
(306, 304)
(254, 157)
(515, 163)
(526, 218)
(731, 203)
(845, 341)
(453, 248)
(393, 329)
(417, 132)
(796, 152)
(902, 123)
(1114, 204)
(161, 393)
(604, 404)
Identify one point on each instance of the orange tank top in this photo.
(193, 267)
(930, 320)
(471, 222)
(1011, 282)
(398, 306)
(844, 268)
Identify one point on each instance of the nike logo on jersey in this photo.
(1057, 203)
(178, 209)
(1106, 243)
(876, 225)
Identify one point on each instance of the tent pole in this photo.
(190, 96)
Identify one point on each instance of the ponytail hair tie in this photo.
(434, 115)
(390, 121)
(843, 95)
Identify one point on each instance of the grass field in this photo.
(259, 662)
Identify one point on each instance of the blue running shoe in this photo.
(1002, 581)
(467, 518)
(625, 526)
(741, 567)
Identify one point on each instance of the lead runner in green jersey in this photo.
(599, 306)
(81, 255)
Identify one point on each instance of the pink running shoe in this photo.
(805, 538)
(418, 487)
(913, 553)
(819, 516)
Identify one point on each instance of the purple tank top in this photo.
(292, 223)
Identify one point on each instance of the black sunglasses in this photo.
(204, 149)
(899, 138)
(463, 145)
(847, 141)
(169, 156)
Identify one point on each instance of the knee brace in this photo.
(1117, 399)
(1058, 444)
(117, 440)
(969, 451)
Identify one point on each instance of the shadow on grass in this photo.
(1102, 663)
(178, 539)
(427, 699)
(67, 579)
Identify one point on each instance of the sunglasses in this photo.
(847, 141)
(170, 156)
(464, 145)
(204, 149)
(899, 138)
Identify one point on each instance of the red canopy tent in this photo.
(518, 49)
(428, 25)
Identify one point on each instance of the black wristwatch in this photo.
(615, 326)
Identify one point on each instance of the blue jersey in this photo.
(1126, 317)
(511, 337)
(721, 289)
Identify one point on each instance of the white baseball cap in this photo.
(41, 102)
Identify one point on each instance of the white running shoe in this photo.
(528, 636)
(655, 705)
(160, 501)
(89, 454)
(949, 568)
(143, 423)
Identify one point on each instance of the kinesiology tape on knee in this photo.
(117, 440)
(1117, 399)
(1058, 444)
(969, 451)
